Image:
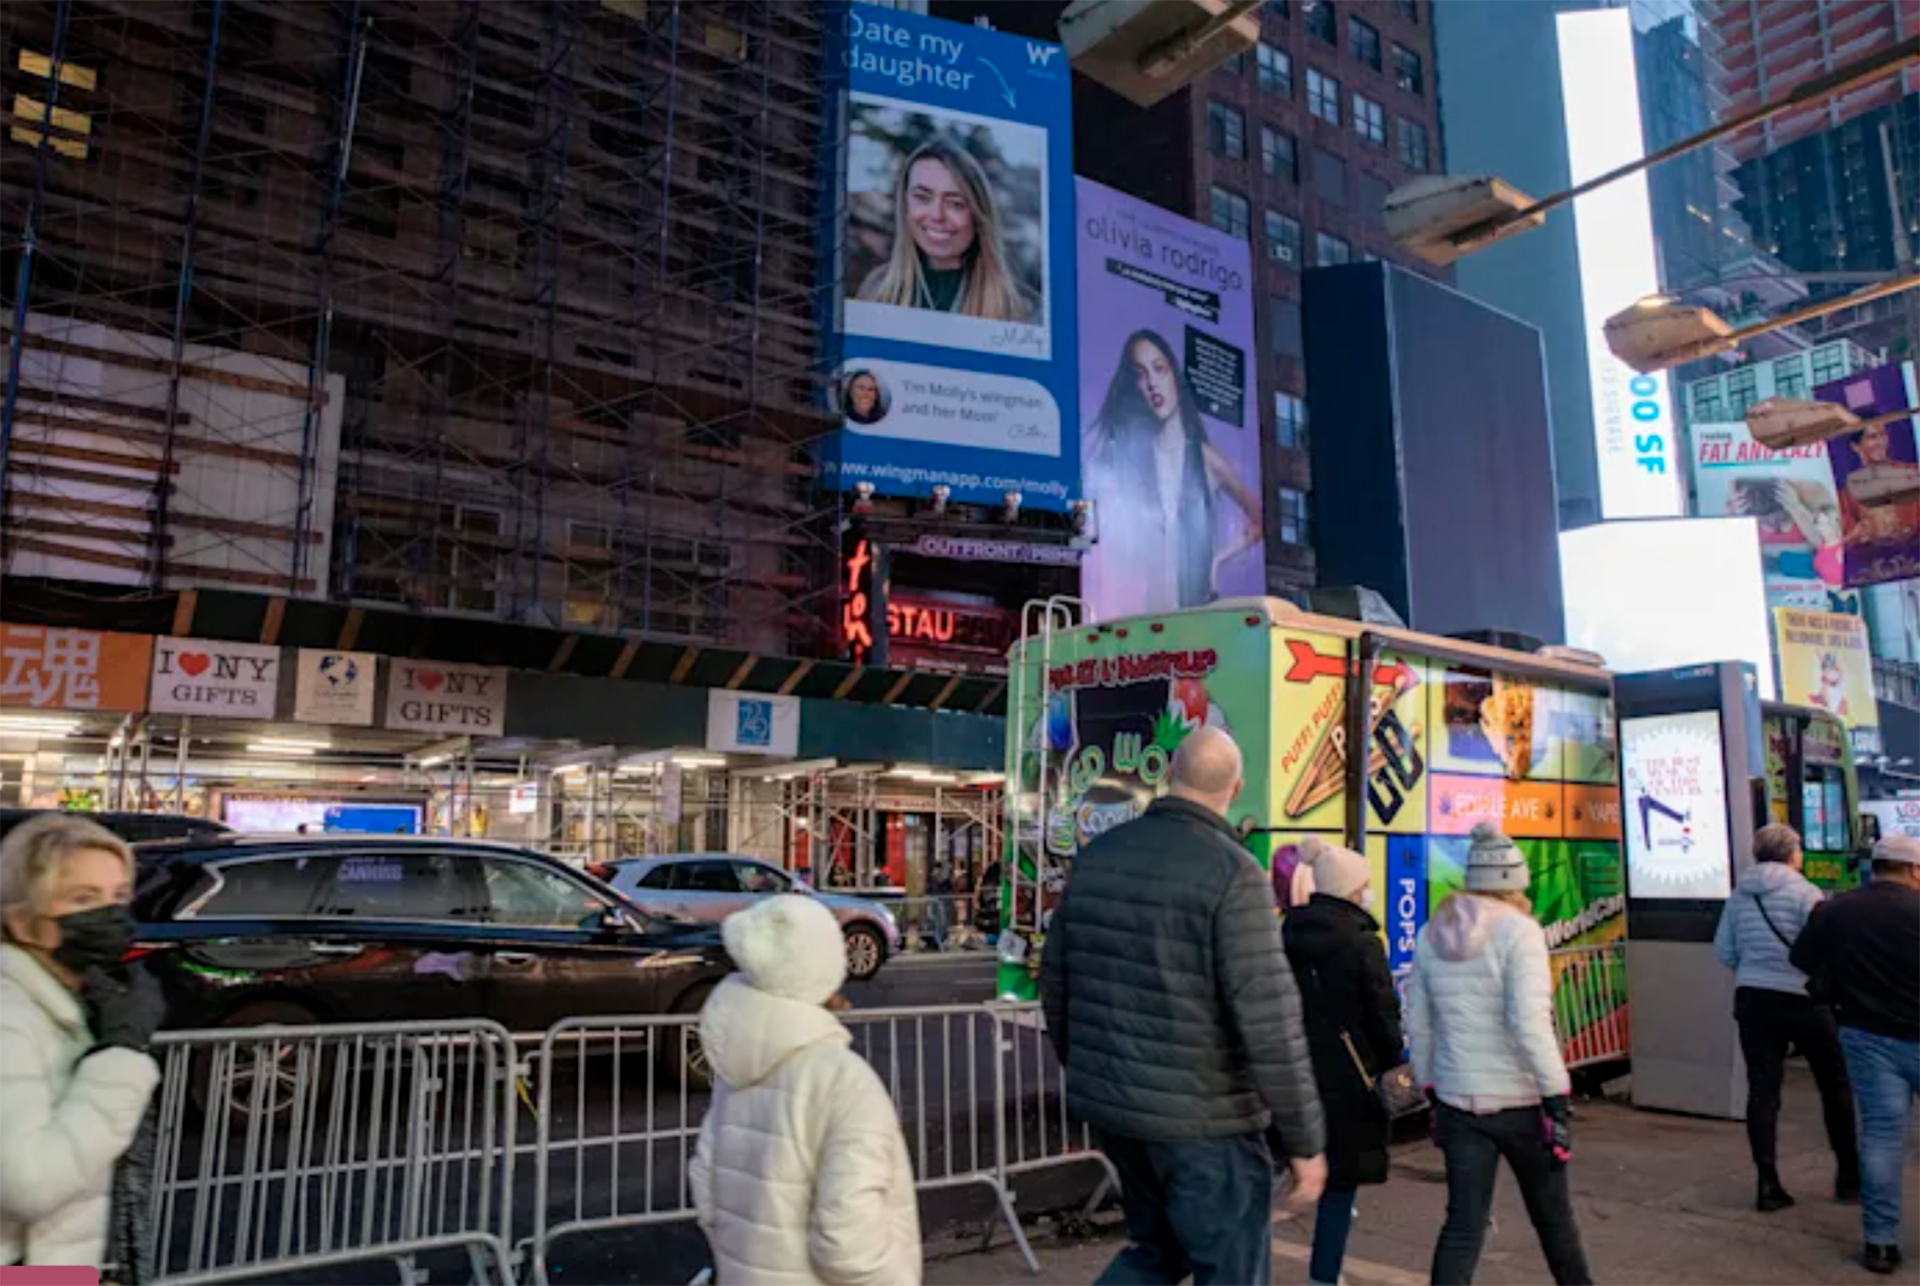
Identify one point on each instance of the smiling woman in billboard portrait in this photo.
(948, 254)
(1155, 481)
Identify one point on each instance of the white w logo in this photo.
(1042, 54)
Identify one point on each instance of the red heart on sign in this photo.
(195, 663)
(429, 679)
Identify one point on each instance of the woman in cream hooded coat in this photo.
(801, 1175)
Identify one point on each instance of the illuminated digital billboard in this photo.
(1654, 595)
(1633, 423)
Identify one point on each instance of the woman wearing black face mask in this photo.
(75, 1076)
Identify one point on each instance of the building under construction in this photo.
(501, 309)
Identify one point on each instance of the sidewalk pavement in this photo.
(1660, 1199)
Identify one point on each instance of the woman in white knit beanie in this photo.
(1480, 1030)
(801, 1175)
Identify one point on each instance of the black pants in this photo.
(1200, 1208)
(1770, 1021)
(1474, 1147)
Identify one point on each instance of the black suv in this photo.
(246, 931)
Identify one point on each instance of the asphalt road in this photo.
(619, 1131)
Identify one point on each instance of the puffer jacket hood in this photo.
(1323, 930)
(801, 1175)
(1763, 878)
(1462, 927)
(748, 1033)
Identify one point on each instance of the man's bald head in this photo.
(1207, 769)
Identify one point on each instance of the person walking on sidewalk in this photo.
(1353, 1031)
(801, 1174)
(75, 1074)
(1862, 951)
(1480, 1030)
(1758, 925)
(1169, 1001)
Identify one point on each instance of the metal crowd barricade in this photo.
(1590, 1012)
(286, 1149)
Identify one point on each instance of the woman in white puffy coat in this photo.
(801, 1175)
(1480, 1031)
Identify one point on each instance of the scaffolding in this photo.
(500, 309)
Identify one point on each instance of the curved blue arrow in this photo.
(1006, 90)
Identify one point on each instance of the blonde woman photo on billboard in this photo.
(1155, 481)
(948, 254)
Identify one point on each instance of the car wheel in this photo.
(262, 1076)
(685, 1057)
(866, 951)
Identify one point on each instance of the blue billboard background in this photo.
(953, 329)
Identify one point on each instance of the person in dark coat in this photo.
(1169, 1001)
(1333, 943)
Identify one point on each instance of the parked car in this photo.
(131, 827)
(712, 886)
(246, 931)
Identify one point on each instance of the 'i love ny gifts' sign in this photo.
(202, 676)
(432, 696)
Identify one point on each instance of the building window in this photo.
(1323, 96)
(1330, 251)
(1283, 327)
(1226, 131)
(1790, 377)
(1363, 42)
(1279, 156)
(1329, 177)
(468, 559)
(1372, 197)
(1295, 526)
(1413, 145)
(1321, 21)
(1236, 65)
(1741, 391)
(1276, 69)
(1231, 213)
(1707, 406)
(1829, 363)
(1408, 9)
(1290, 421)
(1407, 73)
(1283, 238)
(1278, 8)
(1369, 121)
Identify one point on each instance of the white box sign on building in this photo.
(201, 676)
(334, 687)
(755, 722)
(432, 696)
(1633, 425)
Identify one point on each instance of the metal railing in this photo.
(947, 923)
(321, 1146)
(284, 1149)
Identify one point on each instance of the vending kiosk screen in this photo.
(1674, 794)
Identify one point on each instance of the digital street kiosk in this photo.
(1693, 790)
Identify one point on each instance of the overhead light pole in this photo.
(1658, 333)
(1442, 219)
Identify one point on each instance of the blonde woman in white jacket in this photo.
(75, 1076)
(801, 1175)
(1480, 1030)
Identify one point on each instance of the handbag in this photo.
(1394, 1089)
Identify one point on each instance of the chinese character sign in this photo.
(54, 669)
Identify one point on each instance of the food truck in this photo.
(1455, 733)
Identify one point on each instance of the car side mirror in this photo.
(615, 921)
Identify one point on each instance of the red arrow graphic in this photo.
(1309, 664)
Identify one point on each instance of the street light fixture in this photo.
(1444, 235)
(1658, 333)
(1781, 423)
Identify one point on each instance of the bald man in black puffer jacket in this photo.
(1170, 1002)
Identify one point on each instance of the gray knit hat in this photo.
(1494, 864)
